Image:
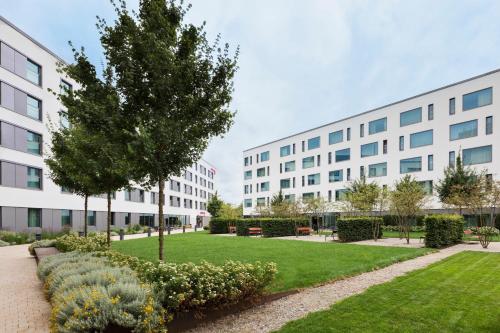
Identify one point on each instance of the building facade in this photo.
(420, 136)
(29, 200)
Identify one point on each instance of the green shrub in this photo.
(41, 243)
(2, 243)
(219, 226)
(72, 242)
(352, 229)
(14, 238)
(88, 294)
(443, 230)
(274, 227)
(486, 234)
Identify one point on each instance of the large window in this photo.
(489, 125)
(463, 130)
(248, 174)
(261, 172)
(248, 203)
(477, 99)
(307, 162)
(426, 186)
(290, 197)
(369, 149)
(336, 137)
(66, 218)
(410, 117)
(264, 186)
(264, 156)
(313, 143)
(477, 155)
(340, 195)
(420, 139)
(91, 217)
(377, 170)
(289, 166)
(336, 176)
(285, 183)
(313, 179)
(285, 151)
(66, 88)
(410, 165)
(34, 143)
(34, 178)
(343, 155)
(33, 72)
(376, 126)
(33, 108)
(308, 196)
(261, 202)
(34, 218)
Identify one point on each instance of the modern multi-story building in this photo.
(419, 136)
(29, 200)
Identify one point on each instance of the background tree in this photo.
(231, 212)
(174, 85)
(316, 207)
(214, 205)
(362, 196)
(477, 197)
(407, 200)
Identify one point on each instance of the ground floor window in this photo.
(91, 217)
(34, 218)
(66, 216)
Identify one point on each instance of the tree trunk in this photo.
(85, 209)
(108, 227)
(161, 220)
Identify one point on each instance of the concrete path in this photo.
(23, 307)
(272, 316)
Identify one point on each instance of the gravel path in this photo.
(274, 315)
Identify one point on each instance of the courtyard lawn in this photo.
(417, 235)
(300, 263)
(459, 294)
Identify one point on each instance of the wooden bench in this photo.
(254, 231)
(303, 231)
(232, 229)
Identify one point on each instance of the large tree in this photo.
(174, 85)
(214, 205)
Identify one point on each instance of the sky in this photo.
(303, 63)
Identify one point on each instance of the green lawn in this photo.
(459, 294)
(300, 264)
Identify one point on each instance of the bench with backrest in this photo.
(254, 231)
(232, 229)
(303, 231)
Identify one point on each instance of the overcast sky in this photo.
(304, 63)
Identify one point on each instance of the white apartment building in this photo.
(29, 200)
(419, 136)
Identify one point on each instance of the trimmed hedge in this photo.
(271, 227)
(443, 230)
(218, 225)
(352, 229)
(242, 226)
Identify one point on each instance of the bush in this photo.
(88, 294)
(443, 230)
(2, 243)
(242, 226)
(219, 226)
(274, 227)
(352, 229)
(14, 238)
(72, 242)
(41, 243)
(486, 234)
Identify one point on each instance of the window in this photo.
(361, 130)
(377, 126)
(384, 147)
(377, 170)
(313, 143)
(348, 177)
(65, 88)
(426, 186)
(451, 159)
(248, 174)
(343, 155)
(340, 195)
(477, 99)
(248, 203)
(66, 218)
(335, 176)
(307, 162)
(34, 143)
(285, 151)
(489, 125)
(463, 130)
(264, 186)
(430, 112)
(148, 219)
(128, 218)
(261, 172)
(410, 117)
(313, 179)
(34, 178)
(289, 166)
(246, 161)
(362, 171)
(307, 196)
(401, 143)
(63, 120)
(34, 218)
(290, 197)
(33, 72)
(329, 157)
(451, 106)
(91, 217)
(348, 134)
(261, 202)
(33, 107)
(336, 137)
(293, 148)
(369, 149)
(430, 162)
(421, 139)
(141, 195)
(477, 155)
(128, 195)
(264, 156)
(318, 160)
(410, 165)
(285, 183)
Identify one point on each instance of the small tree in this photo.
(407, 200)
(362, 196)
(229, 211)
(493, 199)
(477, 197)
(214, 205)
(317, 208)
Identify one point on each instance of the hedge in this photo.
(219, 226)
(352, 229)
(271, 227)
(443, 230)
(242, 225)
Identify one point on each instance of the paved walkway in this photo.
(272, 316)
(23, 307)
